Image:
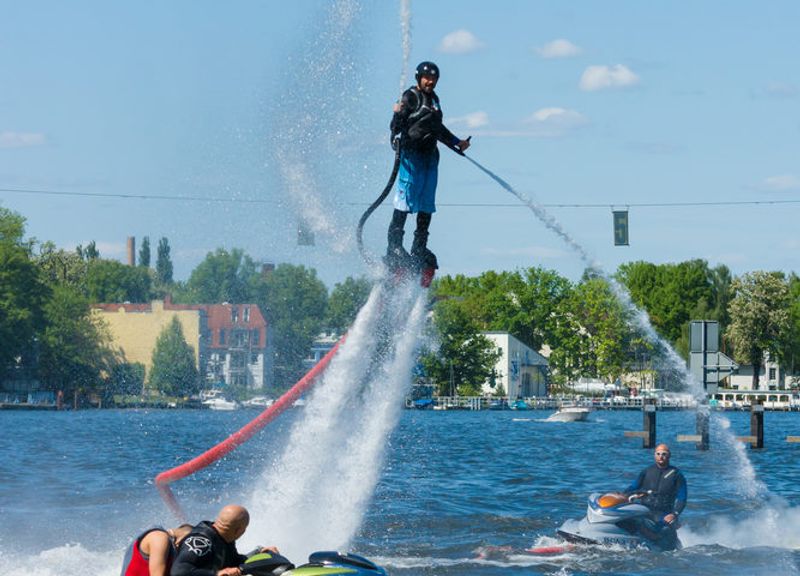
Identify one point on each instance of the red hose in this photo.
(243, 435)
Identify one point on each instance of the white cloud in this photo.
(554, 121)
(472, 120)
(781, 183)
(601, 77)
(460, 42)
(21, 139)
(782, 90)
(559, 48)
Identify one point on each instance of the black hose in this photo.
(374, 206)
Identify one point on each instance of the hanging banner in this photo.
(620, 228)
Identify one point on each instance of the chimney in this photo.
(131, 251)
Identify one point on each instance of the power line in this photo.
(174, 198)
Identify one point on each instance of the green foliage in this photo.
(126, 378)
(163, 263)
(222, 277)
(113, 281)
(22, 294)
(674, 294)
(89, 253)
(61, 267)
(293, 300)
(760, 318)
(74, 351)
(521, 302)
(173, 371)
(345, 301)
(144, 253)
(465, 357)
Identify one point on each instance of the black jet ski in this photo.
(319, 564)
(619, 519)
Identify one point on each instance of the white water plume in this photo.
(775, 524)
(311, 125)
(314, 495)
(405, 40)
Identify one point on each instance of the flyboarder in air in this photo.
(416, 128)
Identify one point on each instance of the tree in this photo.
(345, 301)
(293, 300)
(760, 318)
(22, 294)
(671, 293)
(74, 351)
(222, 277)
(174, 372)
(163, 263)
(61, 267)
(595, 333)
(144, 253)
(791, 352)
(464, 356)
(89, 253)
(113, 281)
(521, 303)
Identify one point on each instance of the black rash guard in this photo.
(204, 552)
(665, 487)
(420, 122)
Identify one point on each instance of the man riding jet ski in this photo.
(645, 514)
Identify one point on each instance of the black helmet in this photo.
(427, 69)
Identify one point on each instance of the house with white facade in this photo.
(521, 370)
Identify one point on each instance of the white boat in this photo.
(258, 402)
(570, 414)
(220, 403)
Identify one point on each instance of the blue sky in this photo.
(261, 115)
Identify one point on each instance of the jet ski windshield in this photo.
(611, 499)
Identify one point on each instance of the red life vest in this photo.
(136, 562)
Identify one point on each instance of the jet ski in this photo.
(319, 564)
(615, 518)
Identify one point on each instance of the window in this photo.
(234, 314)
(246, 314)
(256, 338)
(772, 372)
(222, 336)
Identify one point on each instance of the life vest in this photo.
(136, 562)
(424, 123)
(662, 483)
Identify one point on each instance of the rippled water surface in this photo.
(74, 487)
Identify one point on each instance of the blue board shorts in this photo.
(416, 182)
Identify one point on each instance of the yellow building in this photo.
(134, 328)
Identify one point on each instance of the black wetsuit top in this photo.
(665, 488)
(204, 552)
(420, 122)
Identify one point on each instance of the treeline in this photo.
(594, 328)
(47, 330)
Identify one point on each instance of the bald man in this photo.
(210, 548)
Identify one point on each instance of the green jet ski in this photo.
(319, 564)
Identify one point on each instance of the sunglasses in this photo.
(662, 453)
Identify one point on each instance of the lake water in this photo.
(76, 486)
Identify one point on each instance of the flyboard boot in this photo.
(423, 260)
(397, 260)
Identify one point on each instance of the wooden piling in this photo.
(649, 424)
(757, 424)
(702, 428)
